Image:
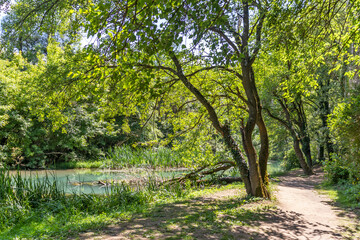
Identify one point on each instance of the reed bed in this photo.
(28, 200)
(125, 156)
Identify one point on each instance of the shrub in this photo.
(344, 125)
(290, 160)
(336, 170)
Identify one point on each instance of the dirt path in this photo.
(300, 213)
(306, 214)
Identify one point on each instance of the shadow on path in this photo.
(301, 214)
(206, 218)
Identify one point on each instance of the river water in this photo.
(95, 181)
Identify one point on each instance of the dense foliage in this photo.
(215, 80)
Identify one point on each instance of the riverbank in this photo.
(298, 212)
(39, 209)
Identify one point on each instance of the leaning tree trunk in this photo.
(249, 180)
(303, 130)
(296, 143)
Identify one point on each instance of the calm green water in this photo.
(90, 181)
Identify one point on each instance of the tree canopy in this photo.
(203, 74)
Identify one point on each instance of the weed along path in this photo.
(298, 212)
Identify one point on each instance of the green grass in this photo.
(39, 209)
(79, 164)
(197, 215)
(347, 195)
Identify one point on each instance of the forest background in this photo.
(241, 81)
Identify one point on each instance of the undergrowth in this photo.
(34, 208)
(345, 193)
(342, 182)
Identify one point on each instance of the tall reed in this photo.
(27, 197)
(20, 197)
(125, 156)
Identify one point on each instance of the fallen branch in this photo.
(200, 173)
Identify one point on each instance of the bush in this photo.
(336, 170)
(25, 141)
(290, 160)
(344, 124)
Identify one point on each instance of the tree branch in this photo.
(157, 67)
(258, 37)
(277, 118)
(227, 39)
(211, 111)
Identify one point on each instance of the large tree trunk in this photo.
(252, 179)
(324, 112)
(296, 143)
(238, 157)
(254, 106)
(305, 145)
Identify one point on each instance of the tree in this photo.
(142, 40)
(285, 97)
(297, 45)
(152, 35)
(144, 49)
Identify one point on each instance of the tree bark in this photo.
(296, 143)
(321, 153)
(303, 129)
(324, 112)
(254, 106)
(264, 149)
(224, 130)
(239, 159)
(305, 145)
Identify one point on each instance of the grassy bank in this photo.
(39, 209)
(127, 157)
(345, 194)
